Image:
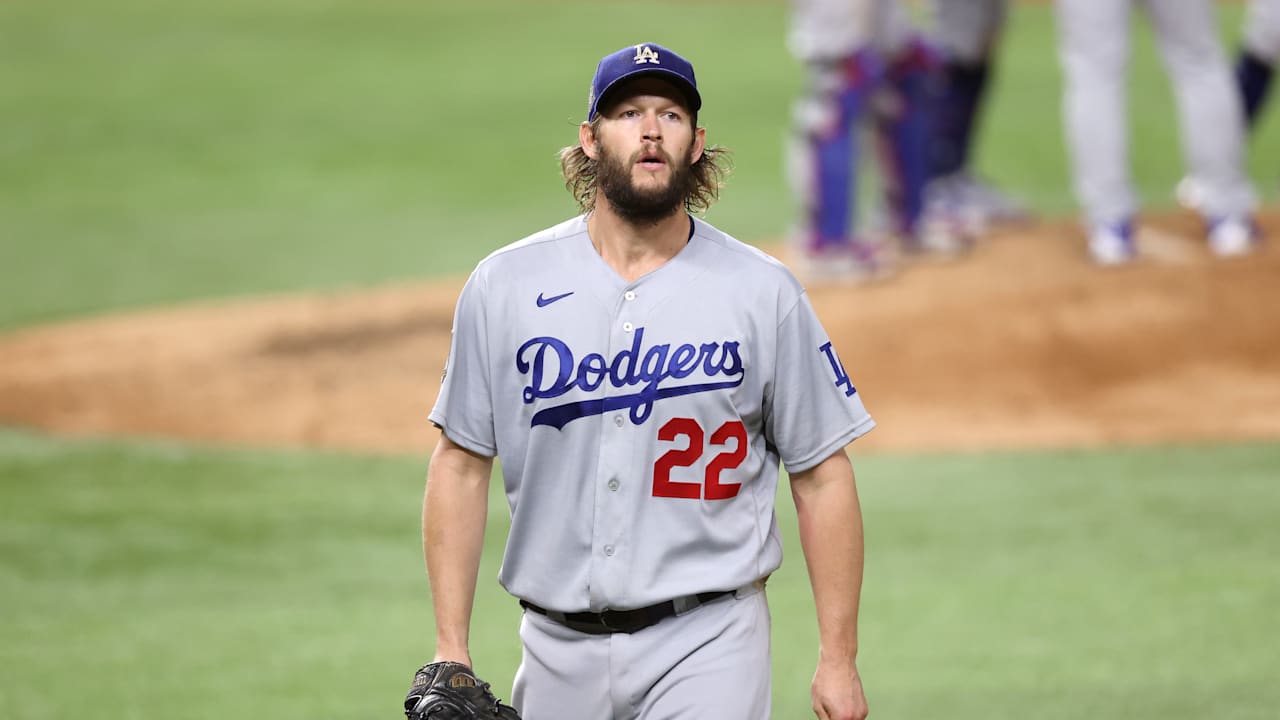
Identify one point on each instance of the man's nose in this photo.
(652, 128)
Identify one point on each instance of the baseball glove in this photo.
(450, 691)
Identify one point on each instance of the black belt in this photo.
(626, 621)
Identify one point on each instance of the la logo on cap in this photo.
(646, 54)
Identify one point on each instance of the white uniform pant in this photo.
(712, 662)
(823, 30)
(1261, 34)
(1094, 44)
(966, 30)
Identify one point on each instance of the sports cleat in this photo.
(984, 201)
(940, 236)
(1232, 236)
(943, 207)
(936, 235)
(1112, 244)
(961, 198)
(945, 211)
(851, 263)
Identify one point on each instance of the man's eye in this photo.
(629, 113)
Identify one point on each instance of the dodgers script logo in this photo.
(553, 371)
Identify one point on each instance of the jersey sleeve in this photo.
(464, 408)
(815, 409)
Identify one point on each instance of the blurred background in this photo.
(197, 199)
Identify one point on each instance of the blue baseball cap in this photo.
(637, 60)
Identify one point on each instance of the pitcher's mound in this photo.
(1023, 343)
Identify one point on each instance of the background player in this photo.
(863, 60)
(1255, 66)
(641, 374)
(966, 35)
(1094, 46)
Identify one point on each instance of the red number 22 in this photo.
(710, 488)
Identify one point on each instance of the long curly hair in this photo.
(709, 174)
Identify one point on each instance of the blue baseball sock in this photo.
(904, 136)
(835, 154)
(1254, 76)
(957, 97)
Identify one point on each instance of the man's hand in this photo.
(837, 692)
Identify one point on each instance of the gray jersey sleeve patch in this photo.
(816, 409)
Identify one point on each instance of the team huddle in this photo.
(918, 88)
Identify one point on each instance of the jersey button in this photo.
(629, 295)
(608, 550)
(613, 484)
(617, 420)
(628, 327)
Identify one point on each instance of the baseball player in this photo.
(863, 62)
(1255, 65)
(1094, 47)
(966, 34)
(640, 375)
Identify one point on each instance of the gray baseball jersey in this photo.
(640, 425)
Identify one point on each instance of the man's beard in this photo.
(643, 206)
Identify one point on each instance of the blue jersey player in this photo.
(867, 70)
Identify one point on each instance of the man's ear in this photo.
(587, 139)
(699, 143)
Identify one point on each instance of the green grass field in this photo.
(157, 152)
(147, 580)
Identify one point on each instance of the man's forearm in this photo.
(454, 510)
(830, 523)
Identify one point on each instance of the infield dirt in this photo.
(1021, 344)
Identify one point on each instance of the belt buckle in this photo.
(604, 622)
